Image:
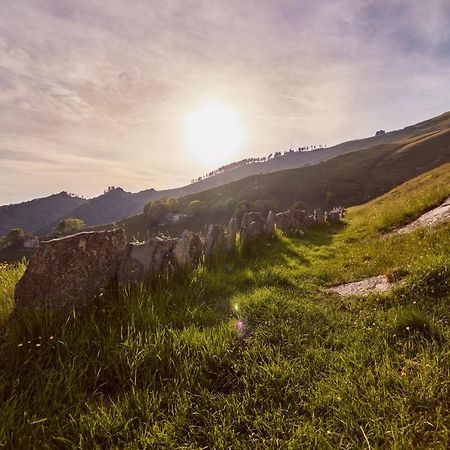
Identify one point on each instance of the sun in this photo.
(214, 133)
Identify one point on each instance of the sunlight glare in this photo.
(214, 134)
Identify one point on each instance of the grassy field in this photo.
(252, 353)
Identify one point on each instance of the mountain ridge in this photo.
(118, 204)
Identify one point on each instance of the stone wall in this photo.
(73, 272)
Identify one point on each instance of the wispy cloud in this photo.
(94, 93)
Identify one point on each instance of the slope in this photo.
(346, 180)
(253, 353)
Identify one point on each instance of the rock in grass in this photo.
(214, 242)
(252, 228)
(143, 261)
(269, 225)
(231, 233)
(71, 272)
(188, 250)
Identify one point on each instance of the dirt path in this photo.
(431, 218)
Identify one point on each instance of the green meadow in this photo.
(252, 352)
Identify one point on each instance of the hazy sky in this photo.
(95, 93)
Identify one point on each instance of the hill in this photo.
(118, 204)
(113, 205)
(292, 160)
(251, 353)
(346, 180)
(35, 214)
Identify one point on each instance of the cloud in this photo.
(94, 93)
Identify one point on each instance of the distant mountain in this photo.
(118, 204)
(113, 205)
(35, 214)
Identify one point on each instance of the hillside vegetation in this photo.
(346, 180)
(252, 353)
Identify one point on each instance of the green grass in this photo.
(167, 367)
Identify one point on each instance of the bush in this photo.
(70, 225)
(16, 236)
(155, 211)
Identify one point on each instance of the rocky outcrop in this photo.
(214, 242)
(71, 272)
(144, 260)
(188, 250)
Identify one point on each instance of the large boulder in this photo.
(214, 242)
(145, 260)
(188, 250)
(71, 272)
(252, 228)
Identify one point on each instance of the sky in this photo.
(96, 93)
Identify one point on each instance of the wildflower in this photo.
(38, 345)
(20, 345)
(52, 337)
(407, 328)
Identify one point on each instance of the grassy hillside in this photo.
(346, 180)
(253, 353)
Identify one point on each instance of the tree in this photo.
(330, 198)
(197, 208)
(242, 207)
(15, 237)
(298, 206)
(156, 211)
(70, 225)
(263, 206)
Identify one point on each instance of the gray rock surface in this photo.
(252, 228)
(231, 232)
(188, 250)
(214, 242)
(71, 272)
(143, 260)
(269, 226)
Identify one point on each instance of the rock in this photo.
(269, 226)
(231, 232)
(71, 272)
(252, 228)
(291, 221)
(143, 260)
(188, 250)
(214, 242)
(334, 216)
